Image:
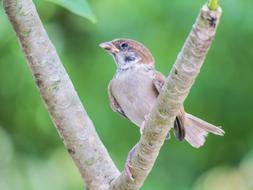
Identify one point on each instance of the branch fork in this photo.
(70, 118)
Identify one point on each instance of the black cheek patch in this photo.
(128, 59)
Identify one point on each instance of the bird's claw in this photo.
(143, 124)
(128, 172)
(142, 127)
(128, 163)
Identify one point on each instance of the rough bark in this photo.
(176, 89)
(70, 118)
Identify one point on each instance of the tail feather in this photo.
(197, 129)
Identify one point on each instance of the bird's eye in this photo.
(124, 46)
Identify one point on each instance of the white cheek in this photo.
(136, 60)
(121, 60)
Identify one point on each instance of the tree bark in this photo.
(170, 100)
(70, 118)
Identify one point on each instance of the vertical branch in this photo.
(70, 118)
(175, 91)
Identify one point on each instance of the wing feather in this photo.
(179, 130)
(114, 104)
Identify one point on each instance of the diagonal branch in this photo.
(71, 120)
(176, 89)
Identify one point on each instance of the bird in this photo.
(135, 87)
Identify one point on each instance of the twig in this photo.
(178, 85)
(213, 4)
(71, 120)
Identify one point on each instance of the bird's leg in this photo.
(142, 127)
(128, 163)
(132, 152)
(143, 124)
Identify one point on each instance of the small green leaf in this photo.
(79, 7)
(213, 4)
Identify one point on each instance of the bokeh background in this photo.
(32, 156)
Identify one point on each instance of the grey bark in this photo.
(70, 118)
(170, 100)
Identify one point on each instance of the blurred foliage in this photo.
(228, 178)
(79, 7)
(32, 154)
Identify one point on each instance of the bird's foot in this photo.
(143, 124)
(128, 163)
(142, 127)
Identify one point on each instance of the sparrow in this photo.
(135, 87)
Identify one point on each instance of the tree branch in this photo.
(176, 89)
(71, 120)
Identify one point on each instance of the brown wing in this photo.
(179, 130)
(158, 81)
(114, 104)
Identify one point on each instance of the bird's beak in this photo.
(109, 47)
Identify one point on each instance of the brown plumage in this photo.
(136, 85)
(140, 49)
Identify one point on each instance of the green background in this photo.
(32, 156)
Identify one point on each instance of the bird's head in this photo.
(128, 53)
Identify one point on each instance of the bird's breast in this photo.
(135, 93)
